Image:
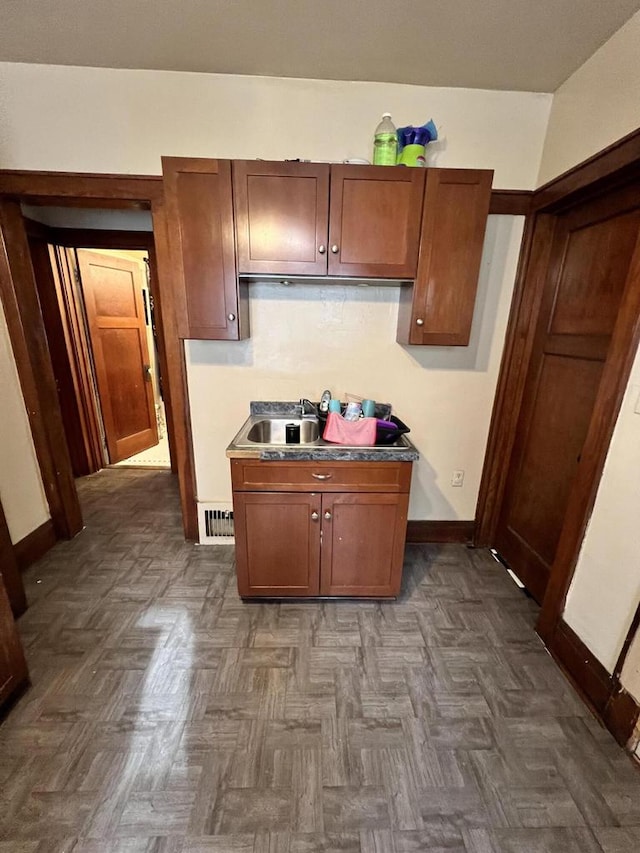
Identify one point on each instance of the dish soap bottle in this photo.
(385, 142)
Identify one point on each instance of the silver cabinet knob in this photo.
(231, 317)
(419, 322)
(314, 516)
(327, 515)
(335, 249)
(322, 476)
(322, 249)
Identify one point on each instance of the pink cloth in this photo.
(360, 432)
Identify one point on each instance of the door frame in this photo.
(614, 167)
(19, 296)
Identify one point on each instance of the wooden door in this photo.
(282, 212)
(590, 258)
(13, 667)
(112, 290)
(363, 538)
(210, 305)
(374, 221)
(277, 543)
(438, 310)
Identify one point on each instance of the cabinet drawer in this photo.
(254, 475)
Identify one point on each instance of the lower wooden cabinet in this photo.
(293, 543)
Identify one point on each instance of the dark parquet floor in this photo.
(167, 716)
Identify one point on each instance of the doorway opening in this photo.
(97, 293)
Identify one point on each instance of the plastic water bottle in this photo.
(385, 142)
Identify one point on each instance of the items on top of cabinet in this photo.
(412, 142)
(385, 142)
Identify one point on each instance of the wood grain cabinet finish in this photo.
(13, 667)
(282, 212)
(438, 309)
(210, 303)
(297, 536)
(315, 219)
(374, 221)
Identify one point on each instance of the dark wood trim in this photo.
(529, 284)
(142, 192)
(77, 189)
(161, 338)
(621, 715)
(601, 691)
(613, 384)
(35, 545)
(440, 531)
(176, 374)
(28, 340)
(620, 159)
(9, 571)
(584, 670)
(97, 238)
(510, 202)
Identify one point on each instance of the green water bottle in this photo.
(385, 142)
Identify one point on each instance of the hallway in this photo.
(167, 716)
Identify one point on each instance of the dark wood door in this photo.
(209, 303)
(112, 290)
(13, 668)
(586, 276)
(282, 212)
(374, 221)
(277, 543)
(438, 309)
(363, 538)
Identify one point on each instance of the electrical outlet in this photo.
(457, 478)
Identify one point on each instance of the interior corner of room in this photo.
(544, 392)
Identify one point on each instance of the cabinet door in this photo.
(200, 218)
(13, 669)
(439, 308)
(282, 210)
(277, 543)
(374, 221)
(363, 538)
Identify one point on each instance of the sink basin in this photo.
(272, 431)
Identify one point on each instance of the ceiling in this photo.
(531, 45)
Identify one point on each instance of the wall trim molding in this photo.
(601, 690)
(440, 531)
(511, 202)
(35, 544)
(620, 160)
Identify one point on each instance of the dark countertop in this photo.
(402, 451)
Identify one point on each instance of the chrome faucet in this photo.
(308, 410)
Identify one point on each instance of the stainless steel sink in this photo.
(272, 431)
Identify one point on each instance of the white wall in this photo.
(21, 492)
(117, 120)
(104, 120)
(597, 105)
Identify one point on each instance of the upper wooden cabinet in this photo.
(315, 219)
(438, 309)
(282, 212)
(201, 235)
